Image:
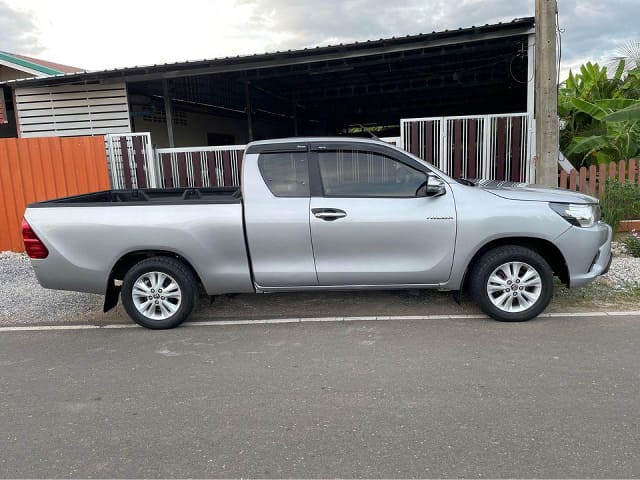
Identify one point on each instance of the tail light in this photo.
(32, 244)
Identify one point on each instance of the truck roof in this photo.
(277, 144)
(316, 139)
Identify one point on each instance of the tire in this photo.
(142, 295)
(522, 271)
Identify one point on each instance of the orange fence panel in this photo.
(37, 169)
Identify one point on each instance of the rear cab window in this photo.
(286, 174)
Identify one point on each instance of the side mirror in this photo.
(435, 187)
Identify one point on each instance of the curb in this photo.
(220, 323)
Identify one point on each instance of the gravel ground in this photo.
(625, 269)
(23, 301)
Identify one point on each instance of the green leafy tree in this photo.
(600, 114)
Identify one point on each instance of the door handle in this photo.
(328, 214)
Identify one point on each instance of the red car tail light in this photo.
(32, 244)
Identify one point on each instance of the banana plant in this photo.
(630, 113)
(621, 120)
(593, 83)
(601, 115)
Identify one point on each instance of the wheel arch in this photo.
(546, 249)
(128, 260)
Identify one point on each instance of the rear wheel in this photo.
(159, 292)
(512, 283)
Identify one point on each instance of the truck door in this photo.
(276, 209)
(377, 221)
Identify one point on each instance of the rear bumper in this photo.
(587, 252)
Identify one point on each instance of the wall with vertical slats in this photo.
(73, 110)
(37, 169)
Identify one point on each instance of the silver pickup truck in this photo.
(320, 214)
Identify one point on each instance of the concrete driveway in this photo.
(556, 397)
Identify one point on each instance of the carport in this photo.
(324, 91)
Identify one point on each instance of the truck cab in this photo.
(349, 213)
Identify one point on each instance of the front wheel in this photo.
(512, 283)
(159, 292)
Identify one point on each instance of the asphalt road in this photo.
(555, 397)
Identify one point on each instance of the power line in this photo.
(559, 32)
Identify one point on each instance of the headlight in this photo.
(580, 215)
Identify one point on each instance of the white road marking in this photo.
(220, 323)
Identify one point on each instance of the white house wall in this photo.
(72, 110)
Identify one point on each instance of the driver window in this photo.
(353, 173)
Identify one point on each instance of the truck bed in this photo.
(86, 235)
(151, 196)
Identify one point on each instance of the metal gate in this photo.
(496, 147)
(200, 166)
(132, 163)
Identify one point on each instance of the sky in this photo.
(99, 35)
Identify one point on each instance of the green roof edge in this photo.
(31, 65)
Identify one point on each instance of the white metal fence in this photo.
(499, 147)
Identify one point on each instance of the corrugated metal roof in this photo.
(177, 69)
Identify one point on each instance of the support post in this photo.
(247, 106)
(168, 111)
(294, 114)
(546, 101)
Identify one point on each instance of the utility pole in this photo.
(546, 105)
